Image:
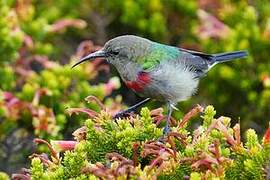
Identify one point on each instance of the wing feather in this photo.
(196, 61)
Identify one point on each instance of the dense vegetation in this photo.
(134, 148)
(41, 39)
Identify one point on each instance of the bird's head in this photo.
(123, 48)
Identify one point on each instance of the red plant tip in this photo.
(90, 99)
(237, 133)
(89, 112)
(62, 24)
(53, 152)
(205, 160)
(7, 96)
(85, 48)
(80, 134)
(62, 146)
(193, 112)
(135, 150)
(43, 158)
(24, 174)
(156, 112)
(222, 128)
(45, 62)
(178, 136)
(211, 27)
(20, 177)
(266, 137)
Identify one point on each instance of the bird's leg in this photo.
(130, 109)
(166, 130)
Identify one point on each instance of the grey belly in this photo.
(171, 83)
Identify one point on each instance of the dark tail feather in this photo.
(223, 57)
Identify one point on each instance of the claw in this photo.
(166, 130)
(162, 139)
(127, 112)
(122, 114)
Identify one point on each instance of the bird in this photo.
(158, 71)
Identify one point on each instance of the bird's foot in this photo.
(161, 139)
(166, 131)
(127, 112)
(121, 114)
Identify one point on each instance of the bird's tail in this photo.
(223, 57)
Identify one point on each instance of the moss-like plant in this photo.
(134, 147)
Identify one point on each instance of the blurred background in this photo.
(40, 40)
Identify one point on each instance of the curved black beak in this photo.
(99, 53)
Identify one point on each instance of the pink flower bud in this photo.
(113, 84)
(61, 146)
(266, 137)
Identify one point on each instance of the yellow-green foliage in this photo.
(118, 136)
(10, 36)
(207, 156)
(4, 176)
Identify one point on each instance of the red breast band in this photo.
(142, 80)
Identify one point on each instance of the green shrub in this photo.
(132, 148)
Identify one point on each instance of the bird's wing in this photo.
(197, 53)
(198, 62)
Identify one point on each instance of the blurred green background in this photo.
(40, 39)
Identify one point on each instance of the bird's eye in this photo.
(115, 52)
